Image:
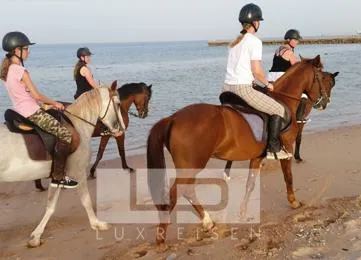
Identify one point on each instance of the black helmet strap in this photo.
(21, 56)
(254, 27)
(288, 43)
(9, 55)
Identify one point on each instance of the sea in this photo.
(182, 73)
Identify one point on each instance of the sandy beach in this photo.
(328, 226)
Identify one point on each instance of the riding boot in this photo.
(274, 144)
(301, 112)
(61, 152)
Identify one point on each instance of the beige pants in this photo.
(256, 99)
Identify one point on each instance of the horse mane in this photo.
(89, 99)
(132, 88)
(283, 80)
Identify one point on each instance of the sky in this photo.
(99, 21)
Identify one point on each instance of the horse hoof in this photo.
(42, 189)
(131, 170)
(161, 247)
(207, 222)
(92, 175)
(101, 226)
(296, 204)
(299, 160)
(226, 177)
(35, 243)
(242, 212)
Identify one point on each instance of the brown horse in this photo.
(138, 94)
(198, 132)
(328, 80)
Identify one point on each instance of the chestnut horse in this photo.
(328, 80)
(199, 132)
(138, 94)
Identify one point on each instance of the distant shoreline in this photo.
(328, 40)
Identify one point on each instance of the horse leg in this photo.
(190, 195)
(227, 169)
(39, 185)
(121, 150)
(254, 171)
(287, 173)
(164, 212)
(103, 143)
(84, 195)
(298, 143)
(53, 195)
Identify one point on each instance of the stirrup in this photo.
(281, 155)
(304, 121)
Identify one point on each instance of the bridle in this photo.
(323, 94)
(111, 100)
(144, 110)
(314, 102)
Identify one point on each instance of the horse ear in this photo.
(317, 62)
(150, 86)
(335, 74)
(114, 85)
(302, 59)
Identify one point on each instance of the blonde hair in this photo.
(245, 27)
(5, 64)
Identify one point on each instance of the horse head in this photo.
(138, 94)
(317, 92)
(328, 81)
(110, 113)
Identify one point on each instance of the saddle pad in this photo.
(256, 123)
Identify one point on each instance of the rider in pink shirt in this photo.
(25, 97)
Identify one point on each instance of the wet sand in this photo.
(328, 226)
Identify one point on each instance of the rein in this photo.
(78, 117)
(101, 118)
(309, 100)
(133, 114)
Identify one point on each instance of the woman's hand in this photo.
(270, 86)
(58, 106)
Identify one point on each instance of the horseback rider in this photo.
(82, 75)
(26, 99)
(283, 59)
(244, 66)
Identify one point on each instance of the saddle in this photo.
(257, 120)
(39, 143)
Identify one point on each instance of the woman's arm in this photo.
(258, 72)
(36, 94)
(290, 56)
(85, 72)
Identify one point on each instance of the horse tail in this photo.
(157, 183)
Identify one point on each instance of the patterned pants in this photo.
(256, 99)
(49, 124)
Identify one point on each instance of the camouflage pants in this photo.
(49, 124)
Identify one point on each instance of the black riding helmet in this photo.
(84, 51)
(292, 34)
(13, 40)
(250, 13)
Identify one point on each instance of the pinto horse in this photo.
(17, 165)
(138, 94)
(328, 80)
(187, 136)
